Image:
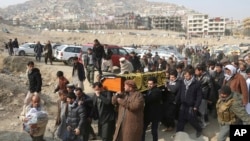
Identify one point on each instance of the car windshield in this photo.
(60, 47)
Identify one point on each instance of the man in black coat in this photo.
(76, 119)
(35, 82)
(105, 112)
(98, 52)
(78, 73)
(86, 101)
(189, 96)
(135, 61)
(207, 88)
(152, 109)
(169, 106)
(10, 47)
(38, 50)
(15, 46)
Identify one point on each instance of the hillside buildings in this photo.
(201, 25)
(246, 26)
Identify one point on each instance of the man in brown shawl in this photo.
(129, 125)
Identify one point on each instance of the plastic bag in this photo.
(34, 117)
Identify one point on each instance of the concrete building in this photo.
(246, 26)
(167, 23)
(246, 23)
(201, 25)
(145, 23)
(126, 21)
(197, 24)
(217, 26)
(16, 20)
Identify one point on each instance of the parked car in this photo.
(66, 53)
(118, 52)
(27, 49)
(131, 49)
(244, 47)
(54, 46)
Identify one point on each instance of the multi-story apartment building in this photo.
(246, 26)
(216, 26)
(145, 23)
(197, 24)
(127, 21)
(246, 23)
(200, 24)
(167, 23)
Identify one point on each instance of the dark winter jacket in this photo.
(76, 116)
(80, 69)
(15, 44)
(206, 85)
(35, 80)
(38, 49)
(48, 50)
(108, 55)
(98, 51)
(152, 109)
(135, 61)
(87, 103)
(172, 91)
(106, 110)
(192, 96)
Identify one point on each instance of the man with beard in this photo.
(236, 82)
(189, 96)
(48, 52)
(230, 111)
(152, 109)
(78, 73)
(129, 125)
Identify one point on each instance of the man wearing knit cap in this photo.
(236, 82)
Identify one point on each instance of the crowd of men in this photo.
(12, 46)
(192, 93)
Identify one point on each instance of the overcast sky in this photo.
(236, 9)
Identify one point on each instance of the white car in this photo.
(66, 53)
(26, 49)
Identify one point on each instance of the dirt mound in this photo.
(15, 63)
